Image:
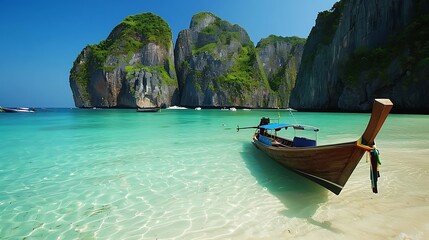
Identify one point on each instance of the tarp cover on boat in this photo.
(273, 126)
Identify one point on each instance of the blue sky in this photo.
(39, 40)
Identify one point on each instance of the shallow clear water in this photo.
(185, 174)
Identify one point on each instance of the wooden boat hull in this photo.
(329, 165)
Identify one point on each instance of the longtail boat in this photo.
(148, 109)
(328, 165)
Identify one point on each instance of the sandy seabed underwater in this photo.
(186, 174)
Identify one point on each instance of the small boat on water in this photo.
(17, 110)
(198, 108)
(177, 108)
(148, 109)
(328, 165)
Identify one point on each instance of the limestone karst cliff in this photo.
(133, 67)
(361, 50)
(357, 51)
(281, 58)
(217, 65)
(215, 62)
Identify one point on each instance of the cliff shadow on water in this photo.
(300, 196)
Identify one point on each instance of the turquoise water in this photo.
(186, 174)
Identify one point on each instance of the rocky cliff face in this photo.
(361, 50)
(217, 65)
(134, 67)
(281, 58)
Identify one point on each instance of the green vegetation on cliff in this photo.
(273, 39)
(374, 61)
(130, 36)
(217, 33)
(242, 75)
(277, 79)
(158, 70)
(139, 30)
(285, 72)
(97, 54)
(414, 40)
(280, 66)
(323, 32)
(208, 48)
(215, 38)
(328, 21)
(80, 73)
(126, 39)
(199, 17)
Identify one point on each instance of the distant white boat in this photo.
(197, 108)
(232, 109)
(18, 110)
(246, 109)
(224, 109)
(176, 107)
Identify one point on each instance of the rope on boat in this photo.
(375, 163)
(367, 148)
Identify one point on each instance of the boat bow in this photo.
(331, 165)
